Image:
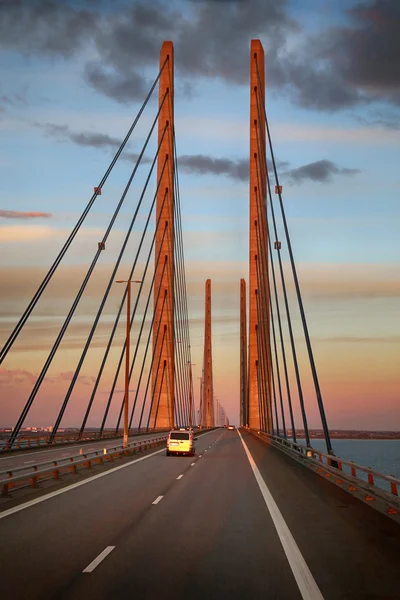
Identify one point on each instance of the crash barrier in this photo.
(367, 484)
(23, 476)
(40, 441)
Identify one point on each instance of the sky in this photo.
(75, 73)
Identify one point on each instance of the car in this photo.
(181, 441)
(231, 427)
(225, 426)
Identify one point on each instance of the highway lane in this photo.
(51, 542)
(21, 458)
(195, 528)
(352, 550)
(209, 537)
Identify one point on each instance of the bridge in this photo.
(101, 512)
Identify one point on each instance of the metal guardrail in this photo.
(39, 471)
(40, 441)
(346, 466)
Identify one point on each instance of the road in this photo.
(177, 527)
(32, 457)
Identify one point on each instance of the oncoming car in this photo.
(181, 441)
(231, 427)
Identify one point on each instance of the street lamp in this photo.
(127, 361)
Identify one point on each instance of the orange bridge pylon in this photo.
(163, 371)
(208, 388)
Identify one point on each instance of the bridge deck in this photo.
(210, 535)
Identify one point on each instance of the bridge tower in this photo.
(208, 388)
(258, 241)
(243, 354)
(163, 371)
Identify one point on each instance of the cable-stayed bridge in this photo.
(103, 513)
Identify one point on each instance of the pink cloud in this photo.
(17, 214)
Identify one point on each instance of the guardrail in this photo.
(55, 468)
(39, 441)
(389, 483)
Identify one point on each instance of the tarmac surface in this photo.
(239, 520)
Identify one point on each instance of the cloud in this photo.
(320, 170)
(9, 377)
(389, 339)
(25, 233)
(354, 64)
(45, 27)
(336, 67)
(200, 164)
(88, 140)
(333, 282)
(16, 214)
(124, 87)
(18, 376)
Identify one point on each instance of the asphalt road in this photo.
(33, 457)
(203, 527)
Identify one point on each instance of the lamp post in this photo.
(127, 360)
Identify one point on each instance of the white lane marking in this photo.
(302, 574)
(16, 509)
(179, 476)
(95, 563)
(11, 511)
(158, 499)
(192, 465)
(200, 455)
(205, 450)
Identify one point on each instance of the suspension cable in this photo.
(106, 294)
(79, 295)
(14, 334)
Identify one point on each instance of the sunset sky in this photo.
(75, 73)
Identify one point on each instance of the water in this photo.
(380, 455)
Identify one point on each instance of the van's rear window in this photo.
(179, 436)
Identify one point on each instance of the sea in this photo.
(380, 455)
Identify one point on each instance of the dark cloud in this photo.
(334, 68)
(124, 87)
(48, 27)
(16, 214)
(340, 67)
(88, 140)
(199, 164)
(320, 170)
(379, 118)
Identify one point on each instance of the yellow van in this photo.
(181, 441)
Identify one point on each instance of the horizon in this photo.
(68, 98)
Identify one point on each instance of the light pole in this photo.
(127, 348)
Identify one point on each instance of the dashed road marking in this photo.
(179, 476)
(157, 500)
(95, 563)
(192, 465)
